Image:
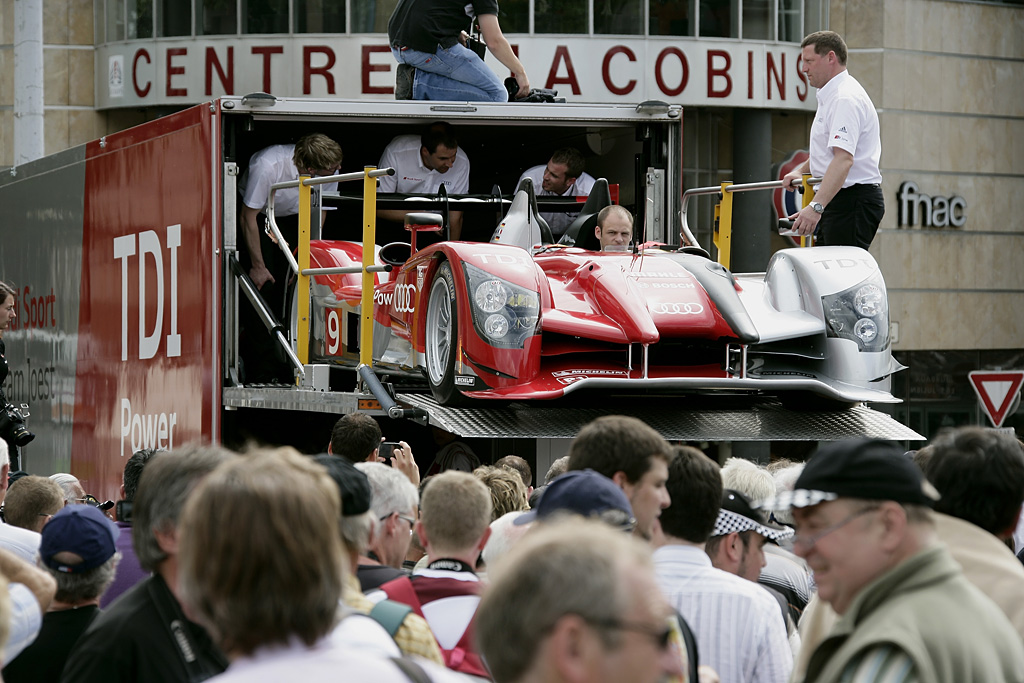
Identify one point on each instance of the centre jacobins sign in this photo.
(585, 69)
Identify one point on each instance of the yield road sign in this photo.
(996, 390)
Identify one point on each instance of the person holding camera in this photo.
(427, 37)
(12, 422)
(129, 570)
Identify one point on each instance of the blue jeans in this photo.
(455, 73)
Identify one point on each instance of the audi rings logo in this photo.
(678, 309)
(403, 298)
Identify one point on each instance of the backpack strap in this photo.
(413, 671)
(390, 614)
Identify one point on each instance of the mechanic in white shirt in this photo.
(562, 176)
(315, 155)
(845, 147)
(422, 163)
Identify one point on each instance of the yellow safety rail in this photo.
(722, 235)
(302, 268)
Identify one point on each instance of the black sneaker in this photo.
(403, 82)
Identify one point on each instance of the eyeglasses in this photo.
(661, 636)
(412, 522)
(809, 541)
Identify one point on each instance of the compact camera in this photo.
(12, 425)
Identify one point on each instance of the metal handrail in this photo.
(685, 233)
(274, 233)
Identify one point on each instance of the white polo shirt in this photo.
(847, 119)
(274, 165)
(412, 177)
(581, 187)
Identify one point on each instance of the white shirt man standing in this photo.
(845, 147)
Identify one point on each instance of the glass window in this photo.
(789, 21)
(371, 16)
(140, 19)
(757, 23)
(719, 19)
(115, 20)
(265, 16)
(216, 17)
(814, 16)
(560, 16)
(619, 16)
(514, 16)
(174, 18)
(311, 16)
(671, 17)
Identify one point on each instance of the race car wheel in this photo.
(442, 337)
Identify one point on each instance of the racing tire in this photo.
(442, 338)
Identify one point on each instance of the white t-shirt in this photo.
(581, 187)
(274, 165)
(325, 661)
(22, 542)
(847, 119)
(412, 177)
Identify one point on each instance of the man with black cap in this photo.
(864, 523)
(78, 549)
(410, 631)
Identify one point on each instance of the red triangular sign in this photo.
(996, 390)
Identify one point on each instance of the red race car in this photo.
(523, 318)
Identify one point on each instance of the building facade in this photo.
(946, 76)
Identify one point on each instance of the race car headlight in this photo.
(860, 313)
(504, 314)
(490, 296)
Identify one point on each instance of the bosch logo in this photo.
(403, 299)
(678, 309)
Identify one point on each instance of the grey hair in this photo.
(356, 530)
(785, 480)
(557, 468)
(65, 481)
(392, 491)
(165, 484)
(89, 585)
(749, 479)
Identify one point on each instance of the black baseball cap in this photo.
(352, 484)
(870, 469)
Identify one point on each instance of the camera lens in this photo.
(22, 436)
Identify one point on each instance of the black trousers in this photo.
(262, 358)
(852, 217)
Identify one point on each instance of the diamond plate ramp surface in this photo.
(707, 418)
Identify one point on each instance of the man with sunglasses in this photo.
(865, 525)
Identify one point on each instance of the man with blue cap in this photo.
(78, 549)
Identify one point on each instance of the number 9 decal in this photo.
(333, 331)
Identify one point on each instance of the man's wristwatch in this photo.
(818, 208)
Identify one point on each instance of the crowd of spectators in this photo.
(633, 560)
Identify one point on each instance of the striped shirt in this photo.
(880, 664)
(738, 625)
